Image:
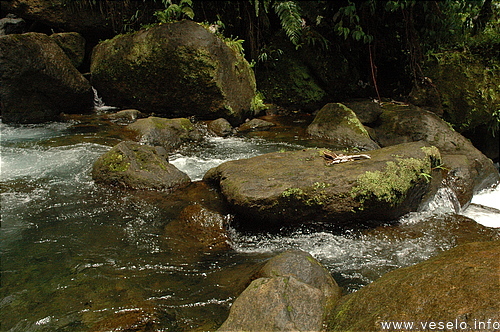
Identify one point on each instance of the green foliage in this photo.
(175, 12)
(291, 20)
(348, 23)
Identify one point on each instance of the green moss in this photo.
(147, 158)
(392, 184)
(116, 162)
(468, 87)
(314, 196)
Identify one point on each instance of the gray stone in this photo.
(468, 169)
(220, 127)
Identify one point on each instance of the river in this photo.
(77, 256)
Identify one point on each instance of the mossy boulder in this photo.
(135, 166)
(460, 286)
(464, 86)
(168, 133)
(293, 293)
(468, 169)
(38, 82)
(298, 187)
(73, 45)
(340, 125)
(290, 84)
(175, 70)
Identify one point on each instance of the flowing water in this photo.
(81, 257)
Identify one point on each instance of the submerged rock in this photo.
(38, 82)
(340, 125)
(298, 187)
(468, 169)
(293, 293)
(136, 166)
(177, 69)
(198, 228)
(168, 133)
(459, 286)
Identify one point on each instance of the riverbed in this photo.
(77, 256)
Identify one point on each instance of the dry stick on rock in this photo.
(333, 158)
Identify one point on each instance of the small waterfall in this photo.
(99, 105)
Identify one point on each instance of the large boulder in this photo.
(457, 290)
(135, 166)
(38, 82)
(79, 16)
(462, 86)
(73, 44)
(340, 125)
(168, 133)
(293, 293)
(469, 169)
(177, 69)
(299, 187)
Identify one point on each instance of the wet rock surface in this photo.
(459, 285)
(298, 187)
(293, 293)
(468, 169)
(167, 133)
(136, 166)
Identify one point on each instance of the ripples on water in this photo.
(81, 257)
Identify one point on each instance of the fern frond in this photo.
(290, 19)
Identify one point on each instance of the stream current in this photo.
(81, 257)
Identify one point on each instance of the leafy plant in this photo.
(175, 12)
(291, 20)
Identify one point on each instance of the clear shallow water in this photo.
(81, 257)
